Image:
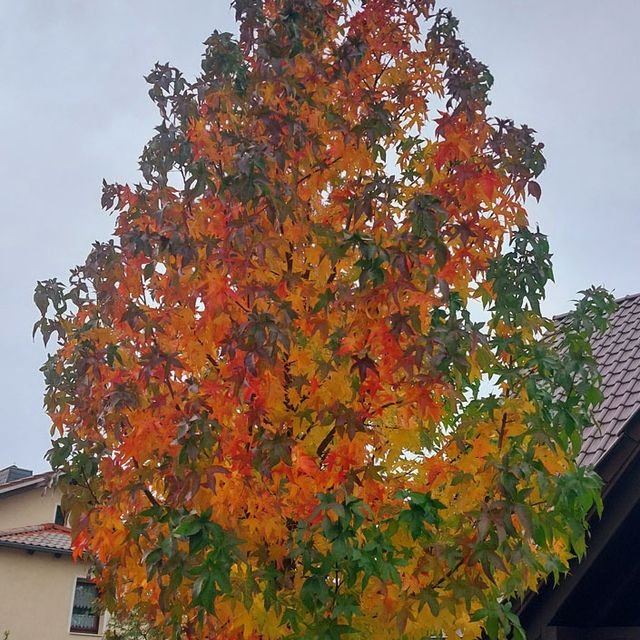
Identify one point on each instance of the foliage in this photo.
(130, 626)
(275, 413)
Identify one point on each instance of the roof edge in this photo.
(40, 479)
(35, 547)
(32, 547)
(629, 296)
(48, 526)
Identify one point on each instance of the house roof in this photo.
(9, 474)
(617, 352)
(52, 538)
(39, 480)
(600, 590)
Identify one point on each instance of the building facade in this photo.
(44, 593)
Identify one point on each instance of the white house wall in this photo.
(34, 505)
(36, 592)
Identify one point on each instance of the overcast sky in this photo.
(75, 110)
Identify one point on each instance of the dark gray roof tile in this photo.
(618, 354)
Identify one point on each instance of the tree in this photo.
(275, 414)
(130, 627)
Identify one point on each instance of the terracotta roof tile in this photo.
(39, 537)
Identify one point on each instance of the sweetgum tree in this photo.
(267, 393)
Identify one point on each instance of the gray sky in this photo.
(75, 110)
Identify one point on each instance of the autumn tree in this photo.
(303, 393)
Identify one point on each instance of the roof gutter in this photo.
(34, 547)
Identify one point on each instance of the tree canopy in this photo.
(303, 392)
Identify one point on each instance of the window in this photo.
(59, 519)
(84, 617)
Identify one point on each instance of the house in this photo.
(599, 598)
(44, 593)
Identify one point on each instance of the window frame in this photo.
(95, 631)
(59, 514)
